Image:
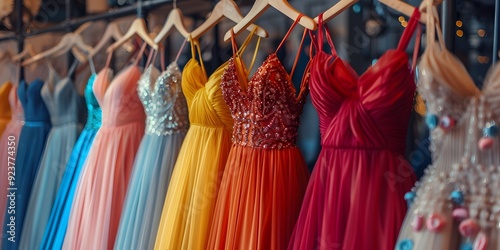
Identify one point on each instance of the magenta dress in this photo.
(13, 129)
(100, 194)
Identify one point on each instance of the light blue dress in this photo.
(166, 126)
(66, 109)
(55, 230)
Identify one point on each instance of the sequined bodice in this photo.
(32, 102)
(63, 101)
(266, 115)
(163, 100)
(94, 115)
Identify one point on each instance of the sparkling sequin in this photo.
(267, 114)
(163, 101)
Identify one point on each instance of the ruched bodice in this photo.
(118, 99)
(94, 116)
(32, 102)
(204, 97)
(355, 199)
(359, 111)
(163, 100)
(63, 101)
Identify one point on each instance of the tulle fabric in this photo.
(192, 192)
(166, 126)
(259, 199)
(354, 199)
(29, 153)
(65, 105)
(146, 193)
(55, 230)
(13, 129)
(100, 194)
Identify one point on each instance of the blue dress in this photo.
(166, 126)
(55, 231)
(66, 108)
(29, 152)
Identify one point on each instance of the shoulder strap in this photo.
(238, 52)
(139, 55)
(195, 46)
(180, 50)
(322, 26)
(409, 30)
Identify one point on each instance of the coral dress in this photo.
(55, 230)
(266, 176)
(100, 194)
(166, 126)
(456, 205)
(192, 192)
(354, 199)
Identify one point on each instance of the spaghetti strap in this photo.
(298, 53)
(323, 27)
(151, 57)
(409, 30)
(289, 31)
(92, 66)
(195, 45)
(139, 55)
(180, 51)
(72, 68)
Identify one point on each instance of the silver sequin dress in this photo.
(166, 126)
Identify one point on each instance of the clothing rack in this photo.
(140, 9)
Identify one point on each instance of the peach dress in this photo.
(100, 194)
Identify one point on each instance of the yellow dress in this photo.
(192, 192)
(5, 111)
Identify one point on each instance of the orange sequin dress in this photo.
(265, 176)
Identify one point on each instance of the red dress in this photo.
(354, 199)
(265, 176)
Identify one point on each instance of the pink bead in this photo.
(468, 228)
(481, 242)
(417, 223)
(460, 214)
(435, 222)
(446, 122)
(486, 143)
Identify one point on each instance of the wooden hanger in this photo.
(174, 20)
(228, 9)
(83, 27)
(112, 32)
(262, 5)
(336, 9)
(407, 9)
(138, 27)
(27, 51)
(68, 41)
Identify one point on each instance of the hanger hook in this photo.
(175, 4)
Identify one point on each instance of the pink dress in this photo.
(13, 128)
(100, 194)
(354, 200)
